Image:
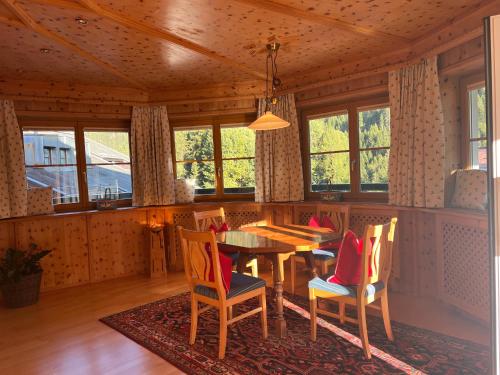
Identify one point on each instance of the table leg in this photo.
(242, 263)
(278, 276)
(311, 264)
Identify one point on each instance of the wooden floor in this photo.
(62, 334)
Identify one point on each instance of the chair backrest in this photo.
(203, 219)
(197, 262)
(379, 239)
(338, 214)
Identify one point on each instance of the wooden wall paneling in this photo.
(117, 243)
(463, 59)
(30, 108)
(7, 236)
(425, 254)
(302, 213)
(463, 263)
(180, 217)
(67, 265)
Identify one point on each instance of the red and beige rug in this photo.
(163, 328)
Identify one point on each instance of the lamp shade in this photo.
(268, 121)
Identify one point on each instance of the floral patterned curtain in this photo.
(416, 174)
(13, 187)
(278, 163)
(153, 177)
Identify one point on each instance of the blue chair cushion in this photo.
(324, 254)
(240, 284)
(343, 290)
(321, 254)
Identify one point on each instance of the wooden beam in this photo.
(321, 19)
(29, 22)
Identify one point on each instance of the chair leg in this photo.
(222, 331)
(363, 331)
(384, 302)
(342, 312)
(194, 319)
(263, 314)
(293, 270)
(324, 268)
(313, 304)
(254, 267)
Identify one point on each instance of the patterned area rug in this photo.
(163, 328)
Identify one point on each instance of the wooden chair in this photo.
(371, 288)
(339, 215)
(203, 220)
(197, 265)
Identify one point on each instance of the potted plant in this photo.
(20, 275)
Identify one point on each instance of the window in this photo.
(43, 170)
(347, 149)
(238, 159)
(218, 158)
(194, 157)
(79, 161)
(63, 155)
(107, 158)
(329, 153)
(47, 154)
(475, 147)
(374, 143)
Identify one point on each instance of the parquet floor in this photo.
(62, 334)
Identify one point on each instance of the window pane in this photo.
(237, 142)
(42, 147)
(103, 147)
(374, 170)
(202, 173)
(478, 155)
(239, 176)
(63, 180)
(196, 144)
(329, 133)
(477, 110)
(374, 128)
(116, 178)
(330, 172)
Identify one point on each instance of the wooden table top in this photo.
(275, 239)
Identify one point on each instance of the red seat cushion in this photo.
(326, 222)
(349, 262)
(226, 263)
(314, 222)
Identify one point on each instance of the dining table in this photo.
(276, 243)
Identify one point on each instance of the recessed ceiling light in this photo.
(81, 21)
(44, 50)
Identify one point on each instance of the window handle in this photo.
(218, 172)
(85, 177)
(353, 165)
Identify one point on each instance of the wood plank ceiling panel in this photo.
(240, 32)
(406, 18)
(21, 57)
(151, 61)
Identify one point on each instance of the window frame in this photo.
(215, 122)
(79, 127)
(352, 108)
(467, 84)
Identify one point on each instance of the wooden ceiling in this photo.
(188, 44)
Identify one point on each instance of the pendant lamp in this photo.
(268, 121)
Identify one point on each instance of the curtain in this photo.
(416, 175)
(13, 187)
(278, 162)
(153, 177)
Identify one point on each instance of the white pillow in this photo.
(471, 189)
(184, 191)
(40, 201)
